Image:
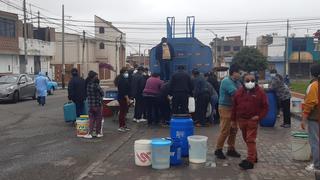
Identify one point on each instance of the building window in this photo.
(101, 45)
(226, 48)
(7, 28)
(218, 48)
(299, 45)
(9, 69)
(101, 30)
(236, 48)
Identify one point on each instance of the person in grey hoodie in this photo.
(283, 94)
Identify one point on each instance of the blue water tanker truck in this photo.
(188, 50)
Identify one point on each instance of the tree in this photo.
(250, 59)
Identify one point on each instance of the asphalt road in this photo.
(36, 143)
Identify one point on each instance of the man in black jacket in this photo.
(138, 83)
(180, 88)
(164, 54)
(77, 91)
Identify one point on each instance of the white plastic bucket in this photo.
(82, 126)
(301, 150)
(142, 152)
(296, 106)
(198, 149)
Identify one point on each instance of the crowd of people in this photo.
(157, 100)
(237, 102)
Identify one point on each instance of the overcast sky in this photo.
(204, 11)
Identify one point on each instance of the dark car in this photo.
(17, 86)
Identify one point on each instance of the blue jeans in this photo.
(79, 108)
(165, 69)
(313, 128)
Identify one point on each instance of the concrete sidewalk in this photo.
(274, 152)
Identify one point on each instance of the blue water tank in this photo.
(175, 150)
(182, 127)
(271, 117)
(69, 111)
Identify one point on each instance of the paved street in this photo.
(36, 144)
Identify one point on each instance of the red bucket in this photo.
(106, 112)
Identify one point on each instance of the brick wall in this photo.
(9, 45)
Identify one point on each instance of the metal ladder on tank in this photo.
(190, 27)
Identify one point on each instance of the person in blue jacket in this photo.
(41, 84)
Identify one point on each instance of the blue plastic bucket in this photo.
(175, 151)
(160, 153)
(182, 127)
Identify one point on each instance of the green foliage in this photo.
(250, 59)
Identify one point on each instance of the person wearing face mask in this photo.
(123, 98)
(283, 94)
(249, 106)
(95, 96)
(228, 88)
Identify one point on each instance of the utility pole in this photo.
(139, 53)
(25, 36)
(83, 48)
(246, 35)
(216, 48)
(63, 65)
(286, 59)
(38, 19)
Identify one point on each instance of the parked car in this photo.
(16, 87)
(52, 85)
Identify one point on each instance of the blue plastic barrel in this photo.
(175, 151)
(160, 152)
(271, 117)
(69, 111)
(182, 127)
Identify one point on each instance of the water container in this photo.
(296, 106)
(106, 111)
(160, 153)
(175, 150)
(82, 126)
(112, 94)
(301, 150)
(182, 127)
(69, 111)
(142, 151)
(198, 149)
(270, 119)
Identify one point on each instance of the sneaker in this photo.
(310, 167)
(88, 136)
(121, 129)
(142, 120)
(126, 129)
(219, 154)
(99, 135)
(135, 120)
(245, 164)
(286, 125)
(233, 153)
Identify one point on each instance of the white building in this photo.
(106, 48)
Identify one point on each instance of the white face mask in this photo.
(250, 85)
(273, 75)
(125, 75)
